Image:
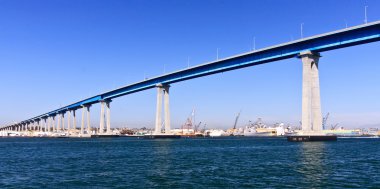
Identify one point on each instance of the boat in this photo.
(215, 133)
(259, 129)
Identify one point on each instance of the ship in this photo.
(259, 129)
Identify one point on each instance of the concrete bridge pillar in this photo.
(311, 101)
(40, 123)
(48, 124)
(82, 123)
(63, 121)
(68, 120)
(85, 110)
(167, 109)
(108, 116)
(88, 120)
(53, 123)
(101, 125)
(74, 120)
(162, 89)
(105, 116)
(59, 122)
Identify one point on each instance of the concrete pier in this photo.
(85, 113)
(167, 109)
(74, 120)
(101, 124)
(311, 101)
(82, 122)
(68, 120)
(108, 117)
(53, 123)
(162, 90)
(105, 118)
(158, 126)
(88, 119)
(63, 121)
(59, 122)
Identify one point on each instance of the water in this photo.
(188, 163)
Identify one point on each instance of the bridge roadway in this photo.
(352, 36)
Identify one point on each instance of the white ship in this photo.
(258, 129)
(216, 133)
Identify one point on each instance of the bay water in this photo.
(227, 162)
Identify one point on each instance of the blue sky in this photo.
(56, 52)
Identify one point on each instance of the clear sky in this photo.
(56, 52)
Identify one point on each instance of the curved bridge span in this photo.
(308, 49)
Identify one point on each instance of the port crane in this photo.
(324, 121)
(236, 120)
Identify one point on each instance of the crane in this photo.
(197, 126)
(324, 121)
(236, 120)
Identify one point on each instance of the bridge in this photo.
(307, 49)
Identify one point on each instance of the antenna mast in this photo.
(365, 14)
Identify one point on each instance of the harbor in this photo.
(191, 130)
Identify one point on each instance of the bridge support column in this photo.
(63, 121)
(59, 122)
(85, 110)
(53, 123)
(167, 109)
(49, 124)
(43, 126)
(82, 123)
(311, 101)
(74, 121)
(101, 125)
(88, 120)
(108, 116)
(162, 89)
(40, 123)
(105, 116)
(68, 120)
